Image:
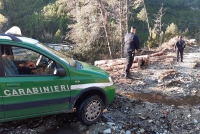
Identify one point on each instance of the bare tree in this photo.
(104, 15)
(158, 22)
(127, 14)
(120, 26)
(143, 13)
(147, 19)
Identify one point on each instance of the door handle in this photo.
(77, 81)
(13, 85)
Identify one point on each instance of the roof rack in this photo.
(13, 38)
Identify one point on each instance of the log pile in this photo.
(116, 67)
(117, 64)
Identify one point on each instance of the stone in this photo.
(150, 121)
(107, 131)
(142, 130)
(128, 132)
(111, 124)
(122, 131)
(195, 121)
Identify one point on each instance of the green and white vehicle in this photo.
(36, 80)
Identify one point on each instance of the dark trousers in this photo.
(179, 51)
(129, 61)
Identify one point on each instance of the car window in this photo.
(66, 59)
(23, 61)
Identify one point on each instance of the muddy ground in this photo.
(163, 98)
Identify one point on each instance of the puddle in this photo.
(156, 98)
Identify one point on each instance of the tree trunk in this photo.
(127, 14)
(147, 19)
(120, 27)
(105, 24)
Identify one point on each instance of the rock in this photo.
(128, 132)
(160, 81)
(198, 125)
(122, 131)
(195, 121)
(107, 131)
(150, 121)
(111, 124)
(189, 115)
(165, 112)
(142, 130)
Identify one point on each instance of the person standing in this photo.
(131, 45)
(179, 47)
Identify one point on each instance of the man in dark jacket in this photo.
(131, 44)
(179, 47)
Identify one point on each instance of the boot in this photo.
(128, 76)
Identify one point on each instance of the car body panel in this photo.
(24, 92)
(25, 96)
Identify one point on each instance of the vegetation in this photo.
(97, 27)
(39, 19)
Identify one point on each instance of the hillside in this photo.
(183, 13)
(31, 16)
(82, 24)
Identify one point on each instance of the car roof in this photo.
(28, 40)
(18, 39)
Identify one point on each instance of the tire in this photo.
(90, 110)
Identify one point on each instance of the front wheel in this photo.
(90, 110)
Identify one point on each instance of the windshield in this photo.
(61, 56)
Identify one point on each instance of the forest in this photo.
(96, 27)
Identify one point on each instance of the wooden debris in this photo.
(173, 83)
(167, 74)
(193, 65)
(191, 42)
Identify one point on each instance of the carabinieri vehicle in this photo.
(36, 80)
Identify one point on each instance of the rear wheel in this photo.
(90, 110)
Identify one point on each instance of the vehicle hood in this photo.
(92, 68)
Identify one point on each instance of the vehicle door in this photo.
(1, 98)
(30, 85)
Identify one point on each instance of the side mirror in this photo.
(61, 72)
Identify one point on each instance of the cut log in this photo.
(117, 61)
(120, 61)
(135, 65)
(119, 67)
(120, 64)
